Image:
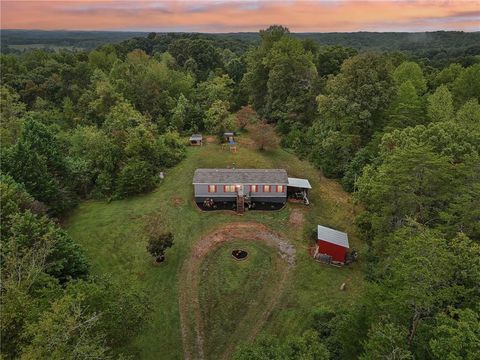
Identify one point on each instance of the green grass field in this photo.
(113, 235)
(229, 288)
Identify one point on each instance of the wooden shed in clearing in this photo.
(229, 137)
(332, 243)
(196, 140)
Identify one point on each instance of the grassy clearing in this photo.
(230, 288)
(114, 237)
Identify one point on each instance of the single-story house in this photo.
(196, 140)
(240, 186)
(332, 243)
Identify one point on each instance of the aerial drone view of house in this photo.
(240, 180)
(245, 188)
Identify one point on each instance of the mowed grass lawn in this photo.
(230, 288)
(113, 235)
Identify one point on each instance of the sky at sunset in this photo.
(243, 15)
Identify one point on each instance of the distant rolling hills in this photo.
(422, 44)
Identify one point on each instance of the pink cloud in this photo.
(224, 16)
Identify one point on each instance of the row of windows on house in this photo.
(253, 188)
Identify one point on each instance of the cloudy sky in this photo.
(243, 15)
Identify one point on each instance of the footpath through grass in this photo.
(113, 235)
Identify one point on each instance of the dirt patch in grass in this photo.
(210, 139)
(177, 201)
(297, 218)
(249, 231)
(192, 328)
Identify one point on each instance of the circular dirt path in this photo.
(189, 305)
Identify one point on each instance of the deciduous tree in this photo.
(158, 244)
(412, 72)
(245, 116)
(263, 135)
(440, 105)
(456, 335)
(217, 117)
(407, 108)
(387, 341)
(11, 111)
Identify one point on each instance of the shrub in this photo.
(158, 244)
(136, 177)
(171, 149)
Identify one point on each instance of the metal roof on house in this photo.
(196, 137)
(240, 176)
(332, 236)
(299, 183)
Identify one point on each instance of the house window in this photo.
(212, 188)
(267, 188)
(229, 188)
(253, 188)
(280, 188)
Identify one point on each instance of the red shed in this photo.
(333, 243)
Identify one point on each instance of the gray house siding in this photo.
(243, 178)
(201, 193)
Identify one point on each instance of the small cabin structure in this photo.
(240, 188)
(229, 137)
(331, 244)
(196, 140)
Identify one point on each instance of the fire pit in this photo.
(239, 254)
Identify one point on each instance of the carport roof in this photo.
(299, 183)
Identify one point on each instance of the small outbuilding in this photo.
(298, 189)
(196, 140)
(229, 137)
(332, 244)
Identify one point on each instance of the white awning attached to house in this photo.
(299, 183)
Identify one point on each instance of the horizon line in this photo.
(236, 32)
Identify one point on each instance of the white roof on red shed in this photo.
(332, 236)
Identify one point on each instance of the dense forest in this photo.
(438, 48)
(400, 129)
